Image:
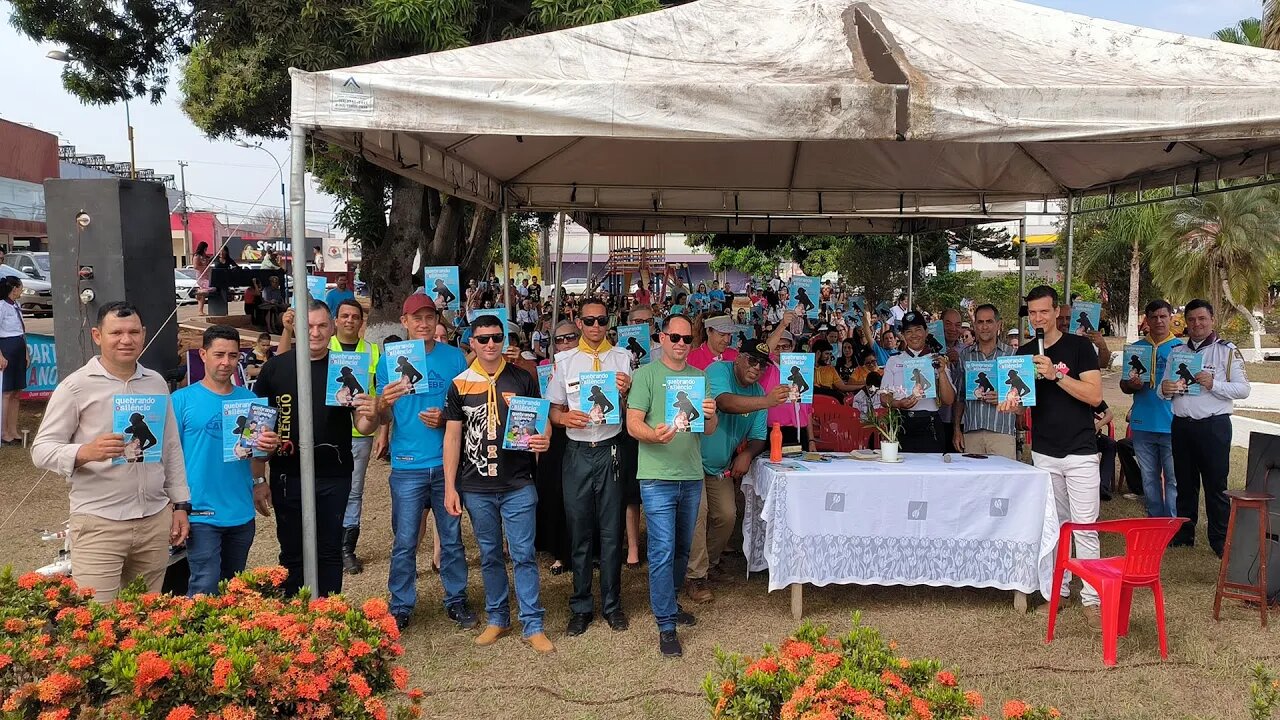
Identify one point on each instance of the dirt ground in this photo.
(604, 674)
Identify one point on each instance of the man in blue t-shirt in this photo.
(223, 493)
(417, 467)
(334, 297)
(1152, 416)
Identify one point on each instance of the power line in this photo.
(214, 198)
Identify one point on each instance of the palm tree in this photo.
(1112, 244)
(1221, 247)
(1246, 32)
(1271, 24)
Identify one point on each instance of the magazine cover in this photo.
(980, 379)
(316, 286)
(237, 425)
(635, 340)
(919, 378)
(797, 369)
(544, 378)
(1085, 317)
(140, 418)
(499, 313)
(1138, 359)
(684, 403)
(598, 397)
(742, 333)
(406, 360)
(525, 417)
(804, 295)
(1016, 377)
(938, 333)
(441, 285)
(1184, 365)
(348, 377)
(262, 418)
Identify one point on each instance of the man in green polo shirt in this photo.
(743, 407)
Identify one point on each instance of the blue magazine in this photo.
(407, 361)
(316, 285)
(1085, 317)
(525, 417)
(937, 330)
(348, 377)
(141, 419)
(441, 285)
(684, 403)
(796, 370)
(544, 378)
(804, 295)
(1138, 360)
(598, 397)
(635, 340)
(1016, 377)
(919, 378)
(238, 428)
(1184, 365)
(262, 418)
(980, 379)
(500, 313)
(743, 333)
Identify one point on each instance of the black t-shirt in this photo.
(484, 465)
(278, 382)
(1060, 424)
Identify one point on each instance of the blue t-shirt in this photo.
(414, 446)
(221, 492)
(334, 298)
(1152, 413)
(731, 429)
(882, 354)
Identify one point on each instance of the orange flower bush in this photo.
(813, 676)
(246, 654)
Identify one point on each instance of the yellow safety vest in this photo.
(374, 354)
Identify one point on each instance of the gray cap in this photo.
(721, 323)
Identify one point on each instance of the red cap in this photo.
(416, 302)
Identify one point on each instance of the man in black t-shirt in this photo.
(1063, 438)
(278, 382)
(494, 484)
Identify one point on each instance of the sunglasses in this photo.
(566, 338)
(756, 362)
(678, 338)
(593, 320)
(486, 339)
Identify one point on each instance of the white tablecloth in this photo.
(968, 523)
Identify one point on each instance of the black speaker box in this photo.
(1263, 475)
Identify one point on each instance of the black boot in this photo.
(351, 564)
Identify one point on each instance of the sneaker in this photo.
(697, 590)
(540, 643)
(491, 635)
(1132, 496)
(459, 613)
(578, 624)
(402, 620)
(1092, 617)
(617, 621)
(669, 644)
(684, 617)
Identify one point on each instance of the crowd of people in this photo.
(583, 487)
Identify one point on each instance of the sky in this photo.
(241, 181)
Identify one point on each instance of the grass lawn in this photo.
(603, 674)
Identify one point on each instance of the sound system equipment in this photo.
(1263, 475)
(109, 240)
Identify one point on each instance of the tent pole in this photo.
(1022, 259)
(911, 275)
(506, 263)
(555, 302)
(591, 246)
(1071, 246)
(303, 416)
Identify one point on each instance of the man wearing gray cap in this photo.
(720, 331)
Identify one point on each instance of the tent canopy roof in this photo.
(822, 108)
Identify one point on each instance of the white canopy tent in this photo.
(810, 110)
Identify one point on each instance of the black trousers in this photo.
(1202, 456)
(331, 504)
(921, 433)
(1107, 466)
(947, 429)
(595, 507)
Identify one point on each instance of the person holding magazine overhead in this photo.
(917, 383)
(669, 468)
(1068, 386)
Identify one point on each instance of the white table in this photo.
(988, 523)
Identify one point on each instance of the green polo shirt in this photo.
(680, 459)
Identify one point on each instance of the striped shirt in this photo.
(979, 415)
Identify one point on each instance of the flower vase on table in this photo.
(887, 422)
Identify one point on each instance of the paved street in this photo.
(44, 326)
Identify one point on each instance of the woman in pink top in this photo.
(796, 420)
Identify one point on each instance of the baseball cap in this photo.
(757, 350)
(416, 302)
(1013, 332)
(913, 319)
(721, 323)
(786, 335)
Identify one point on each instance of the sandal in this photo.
(558, 568)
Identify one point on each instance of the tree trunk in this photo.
(473, 253)
(1135, 272)
(1255, 328)
(390, 266)
(544, 252)
(444, 244)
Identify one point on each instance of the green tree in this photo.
(1246, 32)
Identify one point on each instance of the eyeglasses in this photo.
(566, 338)
(678, 338)
(756, 362)
(593, 320)
(486, 339)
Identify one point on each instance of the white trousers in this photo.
(1075, 489)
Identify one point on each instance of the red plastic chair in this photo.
(1145, 540)
(838, 427)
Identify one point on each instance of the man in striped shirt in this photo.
(979, 426)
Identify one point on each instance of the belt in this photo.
(596, 443)
(919, 413)
(1184, 418)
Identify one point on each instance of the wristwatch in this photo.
(259, 481)
(1058, 376)
(183, 506)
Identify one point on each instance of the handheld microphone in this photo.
(1040, 341)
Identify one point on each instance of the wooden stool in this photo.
(1255, 592)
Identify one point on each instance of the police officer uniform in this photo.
(921, 427)
(1201, 438)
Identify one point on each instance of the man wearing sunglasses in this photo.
(594, 498)
(669, 468)
(719, 344)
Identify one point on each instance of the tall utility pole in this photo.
(186, 219)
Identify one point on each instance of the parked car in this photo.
(575, 285)
(37, 295)
(184, 287)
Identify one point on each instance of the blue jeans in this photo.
(216, 554)
(412, 493)
(512, 513)
(361, 448)
(1154, 453)
(670, 513)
